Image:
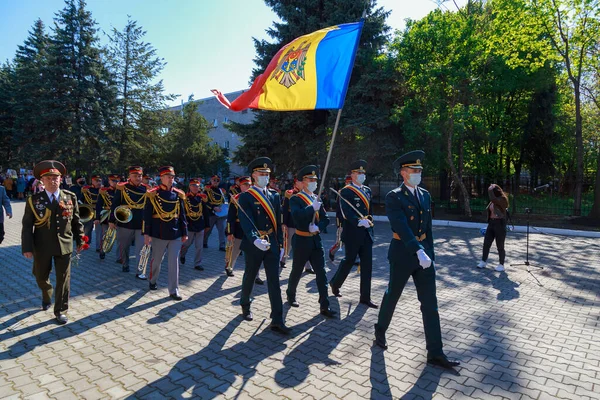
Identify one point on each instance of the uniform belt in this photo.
(263, 233)
(419, 238)
(307, 234)
(166, 215)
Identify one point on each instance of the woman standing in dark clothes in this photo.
(496, 229)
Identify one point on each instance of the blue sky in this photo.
(206, 43)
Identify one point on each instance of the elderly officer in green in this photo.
(307, 242)
(357, 233)
(260, 217)
(50, 224)
(411, 253)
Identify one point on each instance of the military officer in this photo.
(50, 224)
(195, 222)
(103, 206)
(289, 228)
(165, 228)
(357, 233)
(260, 217)
(307, 239)
(411, 253)
(90, 195)
(216, 208)
(132, 195)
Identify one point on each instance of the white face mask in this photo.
(262, 181)
(414, 179)
(311, 187)
(361, 178)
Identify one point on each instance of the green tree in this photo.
(135, 66)
(7, 115)
(294, 139)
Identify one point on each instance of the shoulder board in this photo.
(273, 191)
(87, 187)
(65, 192)
(121, 185)
(151, 193)
(105, 189)
(423, 190)
(180, 193)
(237, 196)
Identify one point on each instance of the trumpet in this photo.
(144, 258)
(123, 214)
(86, 213)
(109, 240)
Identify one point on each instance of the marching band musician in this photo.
(50, 224)
(260, 218)
(288, 225)
(215, 213)
(357, 233)
(411, 253)
(235, 188)
(104, 204)
(90, 195)
(307, 239)
(130, 194)
(165, 228)
(195, 223)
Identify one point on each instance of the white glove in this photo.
(262, 244)
(316, 205)
(364, 223)
(424, 259)
(312, 228)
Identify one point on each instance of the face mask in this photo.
(414, 179)
(312, 186)
(361, 178)
(262, 181)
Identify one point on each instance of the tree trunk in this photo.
(455, 175)
(579, 150)
(595, 212)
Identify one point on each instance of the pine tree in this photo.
(7, 114)
(294, 139)
(136, 66)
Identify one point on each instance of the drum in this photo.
(224, 210)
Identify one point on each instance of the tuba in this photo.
(123, 214)
(86, 213)
(108, 240)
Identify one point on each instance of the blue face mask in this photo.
(414, 179)
(361, 178)
(262, 181)
(311, 187)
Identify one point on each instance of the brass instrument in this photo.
(144, 258)
(229, 254)
(123, 214)
(109, 240)
(86, 213)
(103, 215)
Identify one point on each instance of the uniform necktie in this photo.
(53, 198)
(417, 197)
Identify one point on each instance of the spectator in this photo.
(9, 186)
(4, 207)
(496, 229)
(21, 185)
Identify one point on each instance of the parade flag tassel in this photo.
(311, 72)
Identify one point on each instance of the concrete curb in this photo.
(518, 228)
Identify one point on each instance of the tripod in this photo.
(527, 263)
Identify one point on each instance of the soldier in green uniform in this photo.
(411, 253)
(50, 224)
(307, 242)
(357, 233)
(260, 217)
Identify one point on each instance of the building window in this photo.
(226, 145)
(215, 123)
(226, 120)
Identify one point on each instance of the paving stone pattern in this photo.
(518, 335)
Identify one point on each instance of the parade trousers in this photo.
(172, 247)
(316, 257)
(254, 258)
(196, 239)
(220, 222)
(425, 284)
(42, 265)
(290, 235)
(365, 253)
(125, 236)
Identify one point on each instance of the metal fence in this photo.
(554, 198)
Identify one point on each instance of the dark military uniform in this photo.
(49, 229)
(262, 219)
(195, 221)
(90, 197)
(216, 198)
(103, 206)
(133, 197)
(308, 245)
(358, 240)
(165, 222)
(288, 221)
(410, 219)
(339, 219)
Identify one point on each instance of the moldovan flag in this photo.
(311, 72)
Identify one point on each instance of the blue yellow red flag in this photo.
(311, 72)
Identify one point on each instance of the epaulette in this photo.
(152, 192)
(237, 196)
(289, 194)
(105, 188)
(65, 191)
(121, 185)
(86, 187)
(180, 193)
(273, 191)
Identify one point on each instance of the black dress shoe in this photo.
(331, 257)
(153, 286)
(222, 249)
(309, 271)
(62, 319)
(46, 306)
(176, 297)
(293, 302)
(205, 246)
(199, 267)
(247, 315)
(328, 312)
(259, 281)
(102, 255)
(98, 250)
(335, 291)
(281, 328)
(182, 260)
(369, 303)
(281, 264)
(380, 338)
(442, 361)
(126, 269)
(229, 272)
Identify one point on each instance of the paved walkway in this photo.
(518, 335)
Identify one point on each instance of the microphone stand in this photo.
(527, 263)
